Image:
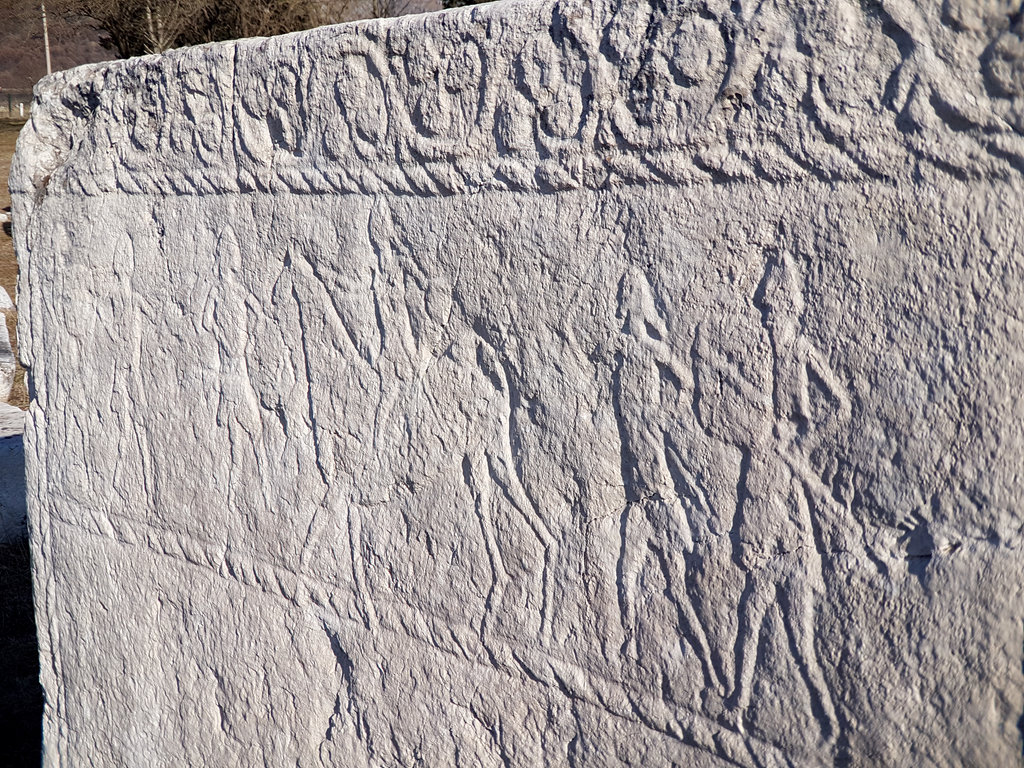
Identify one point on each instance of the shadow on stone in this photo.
(21, 697)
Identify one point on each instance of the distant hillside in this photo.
(22, 61)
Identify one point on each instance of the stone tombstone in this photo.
(627, 382)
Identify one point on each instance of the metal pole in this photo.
(46, 39)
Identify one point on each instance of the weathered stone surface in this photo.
(7, 364)
(613, 383)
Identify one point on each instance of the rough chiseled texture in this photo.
(612, 383)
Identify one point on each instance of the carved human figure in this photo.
(323, 292)
(437, 361)
(655, 522)
(225, 317)
(504, 506)
(773, 532)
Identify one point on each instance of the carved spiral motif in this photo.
(628, 91)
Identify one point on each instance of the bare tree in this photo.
(172, 22)
(261, 18)
(133, 27)
(382, 8)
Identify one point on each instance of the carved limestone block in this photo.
(542, 383)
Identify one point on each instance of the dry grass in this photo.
(8, 264)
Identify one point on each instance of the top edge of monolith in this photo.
(543, 95)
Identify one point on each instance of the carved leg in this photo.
(476, 478)
(689, 623)
(798, 609)
(753, 606)
(633, 550)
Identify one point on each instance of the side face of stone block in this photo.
(554, 383)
